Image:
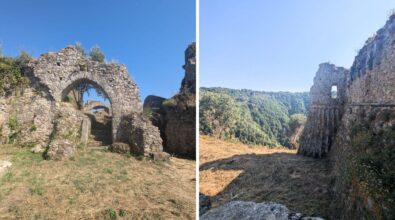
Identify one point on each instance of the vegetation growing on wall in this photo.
(12, 77)
(372, 170)
(251, 117)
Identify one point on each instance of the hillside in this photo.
(252, 117)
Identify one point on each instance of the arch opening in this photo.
(90, 98)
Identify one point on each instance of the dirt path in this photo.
(231, 171)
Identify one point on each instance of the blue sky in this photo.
(148, 36)
(276, 45)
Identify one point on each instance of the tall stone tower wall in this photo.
(325, 111)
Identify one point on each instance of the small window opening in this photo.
(334, 92)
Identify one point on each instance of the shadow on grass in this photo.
(300, 183)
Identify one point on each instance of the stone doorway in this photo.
(92, 100)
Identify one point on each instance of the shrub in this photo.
(13, 123)
(122, 212)
(96, 54)
(11, 74)
(110, 214)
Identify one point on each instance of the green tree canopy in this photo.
(96, 54)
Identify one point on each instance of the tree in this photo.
(96, 54)
(77, 93)
(219, 114)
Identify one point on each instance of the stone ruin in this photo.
(60, 72)
(325, 110)
(366, 100)
(48, 123)
(176, 117)
(97, 105)
(369, 84)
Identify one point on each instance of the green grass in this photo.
(36, 186)
(87, 186)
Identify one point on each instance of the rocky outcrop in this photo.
(236, 210)
(176, 117)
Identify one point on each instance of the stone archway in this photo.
(95, 105)
(62, 70)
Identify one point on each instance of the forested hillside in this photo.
(252, 117)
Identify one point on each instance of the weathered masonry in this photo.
(327, 95)
(59, 127)
(62, 71)
(94, 105)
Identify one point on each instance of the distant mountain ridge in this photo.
(252, 117)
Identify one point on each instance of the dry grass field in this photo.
(234, 171)
(95, 185)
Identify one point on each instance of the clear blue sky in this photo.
(276, 45)
(149, 36)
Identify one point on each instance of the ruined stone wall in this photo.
(142, 137)
(30, 120)
(40, 119)
(189, 82)
(181, 111)
(26, 119)
(325, 112)
(61, 71)
(67, 132)
(369, 112)
(91, 105)
(357, 131)
(176, 117)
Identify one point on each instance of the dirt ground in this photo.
(234, 171)
(95, 185)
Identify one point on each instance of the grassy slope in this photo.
(94, 186)
(234, 171)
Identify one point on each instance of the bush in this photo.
(122, 212)
(13, 123)
(11, 73)
(96, 54)
(110, 214)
